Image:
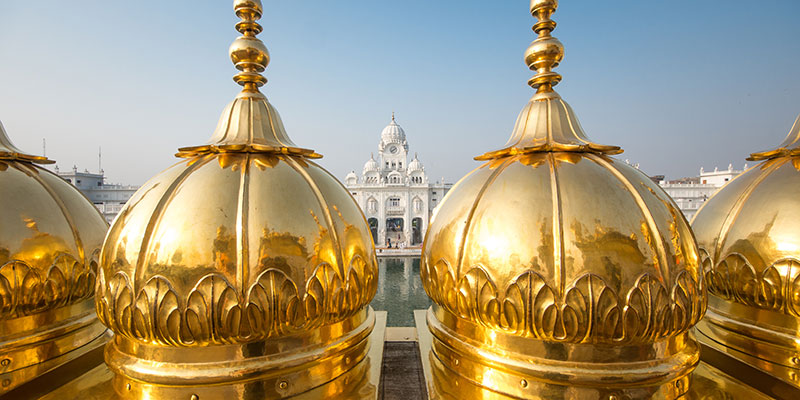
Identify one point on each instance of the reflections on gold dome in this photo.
(39, 249)
(244, 270)
(283, 248)
(748, 239)
(556, 270)
(49, 242)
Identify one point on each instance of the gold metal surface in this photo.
(50, 237)
(705, 382)
(96, 382)
(750, 252)
(244, 271)
(558, 271)
(547, 123)
(249, 123)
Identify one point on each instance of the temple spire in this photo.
(248, 53)
(249, 124)
(547, 123)
(546, 52)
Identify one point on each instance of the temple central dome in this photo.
(393, 133)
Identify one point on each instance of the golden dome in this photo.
(49, 245)
(244, 270)
(750, 252)
(558, 271)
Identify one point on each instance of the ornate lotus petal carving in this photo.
(215, 312)
(734, 278)
(589, 312)
(25, 290)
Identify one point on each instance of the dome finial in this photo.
(547, 123)
(546, 52)
(392, 116)
(248, 53)
(249, 124)
(789, 147)
(10, 152)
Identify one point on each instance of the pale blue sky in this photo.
(678, 84)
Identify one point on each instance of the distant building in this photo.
(657, 178)
(690, 193)
(395, 194)
(108, 198)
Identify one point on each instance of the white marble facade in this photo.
(394, 193)
(107, 197)
(691, 193)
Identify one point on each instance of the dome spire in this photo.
(10, 152)
(789, 147)
(547, 123)
(248, 53)
(249, 124)
(546, 52)
(393, 116)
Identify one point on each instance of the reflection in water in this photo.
(400, 290)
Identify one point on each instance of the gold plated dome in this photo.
(244, 271)
(749, 241)
(50, 238)
(558, 271)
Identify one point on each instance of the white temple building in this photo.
(107, 197)
(395, 194)
(690, 193)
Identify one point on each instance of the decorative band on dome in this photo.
(14, 156)
(193, 151)
(214, 313)
(589, 312)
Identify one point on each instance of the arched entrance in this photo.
(394, 232)
(373, 229)
(416, 231)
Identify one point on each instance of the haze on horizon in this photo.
(679, 85)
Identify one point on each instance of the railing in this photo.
(393, 210)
